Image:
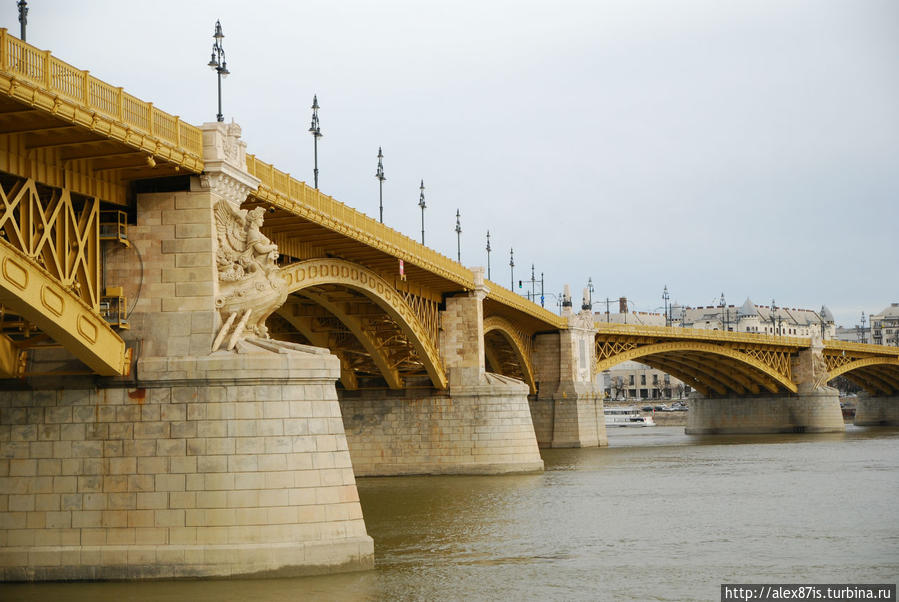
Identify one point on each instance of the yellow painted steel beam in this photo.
(303, 324)
(279, 189)
(863, 363)
(39, 80)
(713, 371)
(354, 325)
(698, 334)
(318, 272)
(28, 290)
(11, 358)
(666, 363)
(869, 381)
(889, 379)
(710, 348)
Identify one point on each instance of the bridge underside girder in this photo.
(877, 380)
(710, 368)
(373, 350)
(507, 351)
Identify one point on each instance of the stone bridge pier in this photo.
(568, 409)
(876, 410)
(480, 424)
(201, 464)
(812, 408)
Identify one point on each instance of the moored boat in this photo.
(627, 417)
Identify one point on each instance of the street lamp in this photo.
(421, 203)
(23, 17)
(316, 131)
(590, 291)
(512, 269)
(458, 238)
(724, 314)
(665, 298)
(380, 175)
(218, 63)
(488, 254)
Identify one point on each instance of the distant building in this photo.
(885, 326)
(636, 381)
(781, 321)
(853, 334)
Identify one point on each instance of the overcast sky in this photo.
(749, 148)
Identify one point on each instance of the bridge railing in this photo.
(700, 333)
(279, 188)
(48, 72)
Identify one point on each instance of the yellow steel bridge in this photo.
(71, 149)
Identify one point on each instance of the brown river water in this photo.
(658, 515)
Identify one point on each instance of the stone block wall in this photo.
(482, 430)
(812, 412)
(168, 274)
(462, 338)
(876, 411)
(217, 466)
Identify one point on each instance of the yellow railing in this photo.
(862, 347)
(279, 188)
(506, 297)
(699, 333)
(46, 71)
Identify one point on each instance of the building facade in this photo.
(761, 319)
(885, 326)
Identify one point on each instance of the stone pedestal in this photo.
(218, 466)
(806, 412)
(484, 429)
(876, 411)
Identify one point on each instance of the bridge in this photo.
(200, 353)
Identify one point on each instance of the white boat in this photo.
(627, 417)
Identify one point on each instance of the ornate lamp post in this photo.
(380, 175)
(488, 254)
(665, 298)
(590, 291)
(316, 131)
(458, 238)
(512, 269)
(218, 64)
(23, 17)
(421, 203)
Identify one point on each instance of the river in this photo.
(658, 515)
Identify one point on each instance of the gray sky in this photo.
(749, 148)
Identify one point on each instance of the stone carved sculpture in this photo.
(250, 283)
(810, 372)
(820, 373)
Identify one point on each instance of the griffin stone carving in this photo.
(250, 283)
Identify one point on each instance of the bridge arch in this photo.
(320, 272)
(877, 375)
(707, 367)
(516, 343)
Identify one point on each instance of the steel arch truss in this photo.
(878, 375)
(711, 368)
(50, 275)
(509, 350)
(372, 326)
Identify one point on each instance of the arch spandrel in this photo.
(318, 272)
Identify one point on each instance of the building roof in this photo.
(747, 309)
(890, 312)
